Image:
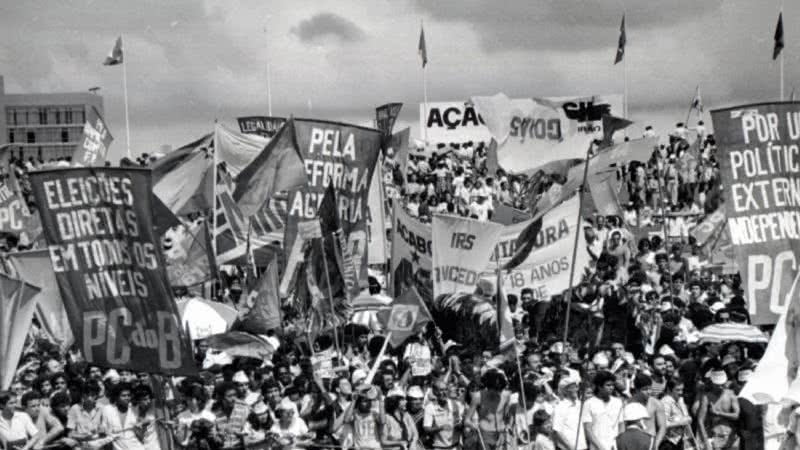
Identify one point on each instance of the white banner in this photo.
(546, 270)
(376, 229)
(534, 132)
(461, 249)
(412, 252)
(446, 122)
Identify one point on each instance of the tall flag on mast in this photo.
(115, 57)
(697, 101)
(621, 43)
(778, 37)
(423, 49)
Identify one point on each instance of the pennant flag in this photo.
(96, 139)
(697, 101)
(776, 50)
(188, 254)
(34, 267)
(612, 124)
(461, 248)
(259, 311)
(622, 41)
(407, 316)
(277, 168)
(422, 48)
(117, 297)
(115, 57)
(604, 195)
(17, 306)
(163, 217)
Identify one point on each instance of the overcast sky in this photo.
(191, 61)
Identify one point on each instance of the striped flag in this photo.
(423, 49)
(776, 50)
(622, 41)
(115, 57)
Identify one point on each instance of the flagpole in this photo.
(269, 83)
(782, 52)
(424, 92)
(125, 95)
(691, 106)
(575, 245)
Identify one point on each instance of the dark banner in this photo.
(760, 168)
(345, 156)
(385, 116)
(262, 125)
(110, 269)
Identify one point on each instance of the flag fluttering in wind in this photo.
(697, 101)
(622, 41)
(423, 49)
(115, 57)
(778, 37)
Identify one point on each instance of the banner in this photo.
(760, 168)
(188, 255)
(461, 249)
(376, 231)
(94, 144)
(110, 269)
(507, 215)
(236, 150)
(15, 217)
(344, 155)
(546, 269)
(265, 126)
(385, 116)
(446, 122)
(412, 254)
(17, 305)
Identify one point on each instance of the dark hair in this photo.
(391, 404)
(198, 393)
(29, 396)
(602, 377)
(268, 386)
(60, 399)
(141, 392)
(90, 387)
(642, 381)
(118, 389)
(494, 379)
(672, 383)
(5, 397)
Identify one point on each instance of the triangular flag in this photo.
(17, 306)
(612, 124)
(115, 57)
(778, 37)
(407, 316)
(260, 308)
(423, 49)
(622, 41)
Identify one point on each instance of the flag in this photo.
(17, 306)
(183, 179)
(95, 141)
(697, 101)
(612, 124)
(505, 324)
(115, 57)
(407, 316)
(604, 195)
(277, 168)
(525, 243)
(188, 254)
(334, 268)
(423, 49)
(622, 41)
(34, 267)
(778, 37)
(259, 311)
(236, 149)
(385, 117)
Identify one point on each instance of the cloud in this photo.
(325, 25)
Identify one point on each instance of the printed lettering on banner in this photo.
(759, 154)
(110, 269)
(412, 253)
(546, 270)
(322, 363)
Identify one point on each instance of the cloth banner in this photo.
(546, 269)
(264, 126)
(34, 267)
(344, 155)
(110, 269)
(758, 154)
(412, 255)
(17, 305)
(535, 131)
(188, 254)
(460, 251)
(376, 231)
(260, 308)
(385, 117)
(709, 227)
(15, 217)
(451, 122)
(94, 144)
(236, 150)
(507, 215)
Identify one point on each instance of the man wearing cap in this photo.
(243, 391)
(656, 422)
(634, 437)
(566, 416)
(719, 408)
(443, 418)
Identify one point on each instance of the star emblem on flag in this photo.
(415, 257)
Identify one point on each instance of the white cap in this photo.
(396, 391)
(718, 377)
(601, 360)
(358, 376)
(240, 377)
(666, 350)
(634, 411)
(112, 375)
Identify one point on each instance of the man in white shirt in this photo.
(602, 414)
(17, 430)
(479, 209)
(566, 416)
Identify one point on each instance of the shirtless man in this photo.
(493, 410)
(719, 408)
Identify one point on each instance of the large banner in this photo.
(110, 269)
(446, 122)
(15, 217)
(461, 249)
(760, 168)
(94, 144)
(546, 269)
(412, 254)
(265, 126)
(344, 155)
(385, 116)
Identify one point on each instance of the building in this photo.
(44, 126)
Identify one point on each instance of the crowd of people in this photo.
(632, 375)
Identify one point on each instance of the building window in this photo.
(64, 135)
(68, 116)
(43, 116)
(31, 137)
(10, 136)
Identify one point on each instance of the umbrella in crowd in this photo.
(203, 317)
(733, 332)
